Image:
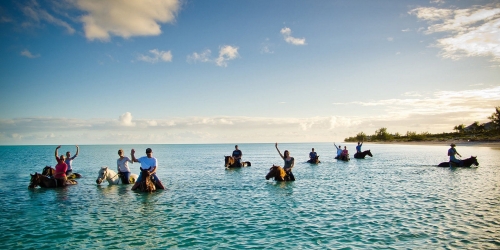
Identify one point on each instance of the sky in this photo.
(222, 71)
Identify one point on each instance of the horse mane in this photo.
(281, 172)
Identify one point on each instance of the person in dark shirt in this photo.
(237, 154)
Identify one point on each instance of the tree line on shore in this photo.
(476, 131)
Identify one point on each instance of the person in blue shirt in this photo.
(312, 155)
(358, 148)
(237, 154)
(452, 152)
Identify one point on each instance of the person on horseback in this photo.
(237, 154)
(339, 151)
(345, 153)
(312, 155)
(289, 162)
(149, 163)
(358, 148)
(452, 152)
(122, 166)
(69, 159)
(61, 169)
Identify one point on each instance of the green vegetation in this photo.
(475, 132)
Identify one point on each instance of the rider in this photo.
(61, 168)
(358, 148)
(312, 155)
(339, 151)
(237, 154)
(122, 166)
(149, 163)
(289, 162)
(345, 153)
(69, 160)
(452, 152)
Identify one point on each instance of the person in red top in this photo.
(61, 168)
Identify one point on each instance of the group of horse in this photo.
(46, 179)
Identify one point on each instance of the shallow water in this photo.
(397, 199)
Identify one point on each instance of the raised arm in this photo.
(77, 150)
(276, 145)
(55, 153)
(132, 152)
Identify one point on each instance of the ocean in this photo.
(398, 199)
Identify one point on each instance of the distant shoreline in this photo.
(491, 144)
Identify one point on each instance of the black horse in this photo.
(343, 157)
(362, 155)
(230, 162)
(465, 163)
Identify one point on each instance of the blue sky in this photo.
(166, 71)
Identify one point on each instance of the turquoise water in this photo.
(397, 199)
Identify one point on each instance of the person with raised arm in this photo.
(289, 162)
(149, 163)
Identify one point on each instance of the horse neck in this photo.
(111, 176)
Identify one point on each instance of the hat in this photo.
(148, 150)
(453, 145)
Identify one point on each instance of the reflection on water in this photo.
(397, 199)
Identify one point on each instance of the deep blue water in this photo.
(398, 199)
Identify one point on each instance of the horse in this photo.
(465, 163)
(147, 184)
(361, 155)
(279, 174)
(46, 182)
(112, 177)
(343, 157)
(315, 160)
(230, 162)
(49, 172)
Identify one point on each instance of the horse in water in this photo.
(343, 157)
(147, 184)
(112, 177)
(314, 161)
(230, 162)
(279, 174)
(465, 163)
(46, 182)
(362, 155)
(49, 172)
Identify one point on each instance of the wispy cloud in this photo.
(157, 56)
(471, 32)
(226, 53)
(28, 54)
(125, 18)
(37, 15)
(287, 35)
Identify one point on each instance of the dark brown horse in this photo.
(279, 174)
(46, 182)
(465, 163)
(343, 157)
(147, 184)
(230, 162)
(314, 161)
(49, 172)
(362, 155)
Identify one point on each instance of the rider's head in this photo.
(149, 151)
(61, 157)
(358, 142)
(453, 145)
(236, 146)
(120, 152)
(68, 154)
(312, 149)
(287, 153)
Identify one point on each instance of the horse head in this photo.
(228, 161)
(474, 160)
(103, 172)
(368, 152)
(34, 181)
(48, 171)
(276, 172)
(146, 184)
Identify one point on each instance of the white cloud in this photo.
(226, 53)
(126, 18)
(28, 54)
(126, 119)
(287, 35)
(390, 39)
(164, 56)
(405, 30)
(470, 32)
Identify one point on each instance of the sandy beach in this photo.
(459, 143)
